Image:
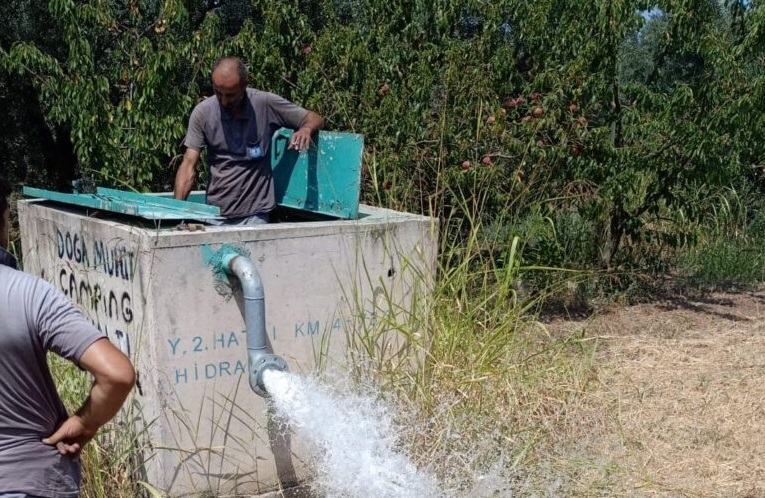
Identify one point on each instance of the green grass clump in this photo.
(730, 250)
(482, 385)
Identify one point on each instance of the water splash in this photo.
(353, 437)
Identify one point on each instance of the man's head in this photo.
(229, 79)
(5, 211)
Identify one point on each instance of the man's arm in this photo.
(186, 175)
(113, 378)
(301, 139)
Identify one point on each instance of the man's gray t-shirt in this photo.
(35, 319)
(239, 150)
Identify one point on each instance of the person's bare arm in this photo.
(186, 175)
(301, 139)
(113, 378)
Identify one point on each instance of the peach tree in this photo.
(591, 129)
(131, 70)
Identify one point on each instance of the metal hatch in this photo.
(147, 206)
(325, 180)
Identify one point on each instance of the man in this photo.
(236, 127)
(39, 444)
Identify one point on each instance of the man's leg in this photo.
(255, 219)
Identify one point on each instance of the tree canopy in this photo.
(614, 115)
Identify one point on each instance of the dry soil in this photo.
(677, 404)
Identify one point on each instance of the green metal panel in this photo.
(326, 179)
(150, 207)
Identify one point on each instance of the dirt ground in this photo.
(677, 406)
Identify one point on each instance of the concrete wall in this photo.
(327, 284)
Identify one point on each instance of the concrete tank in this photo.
(153, 291)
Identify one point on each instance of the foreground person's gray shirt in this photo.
(35, 319)
(7, 259)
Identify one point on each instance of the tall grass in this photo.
(730, 249)
(483, 387)
(495, 381)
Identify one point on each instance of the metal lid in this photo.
(148, 206)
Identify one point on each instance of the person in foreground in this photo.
(236, 128)
(40, 444)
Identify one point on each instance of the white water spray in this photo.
(353, 438)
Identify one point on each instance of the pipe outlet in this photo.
(258, 366)
(259, 357)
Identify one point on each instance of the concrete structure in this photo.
(153, 290)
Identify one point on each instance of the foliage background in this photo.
(567, 147)
(596, 131)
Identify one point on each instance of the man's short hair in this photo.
(5, 193)
(241, 69)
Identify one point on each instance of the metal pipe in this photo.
(259, 357)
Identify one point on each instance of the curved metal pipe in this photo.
(259, 357)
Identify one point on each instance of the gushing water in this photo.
(353, 437)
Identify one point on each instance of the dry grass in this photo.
(679, 402)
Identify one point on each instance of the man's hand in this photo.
(72, 436)
(301, 139)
